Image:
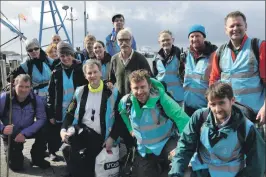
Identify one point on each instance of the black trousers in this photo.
(37, 151)
(82, 152)
(148, 166)
(54, 139)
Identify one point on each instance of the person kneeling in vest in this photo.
(92, 112)
(151, 116)
(26, 106)
(220, 139)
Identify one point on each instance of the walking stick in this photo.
(10, 122)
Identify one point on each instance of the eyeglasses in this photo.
(56, 40)
(126, 40)
(92, 116)
(35, 49)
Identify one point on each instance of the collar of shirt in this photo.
(125, 61)
(224, 123)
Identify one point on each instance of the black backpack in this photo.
(7, 106)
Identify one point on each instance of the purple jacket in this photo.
(23, 119)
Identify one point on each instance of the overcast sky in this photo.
(145, 19)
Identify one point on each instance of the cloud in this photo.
(145, 18)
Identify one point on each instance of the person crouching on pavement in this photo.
(92, 112)
(153, 118)
(26, 107)
(220, 139)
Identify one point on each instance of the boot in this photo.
(43, 164)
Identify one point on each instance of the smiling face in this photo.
(66, 59)
(235, 28)
(166, 41)
(98, 50)
(196, 40)
(93, 74)
(141, 90)
(34, 51)
(22, 89)
(221, 108)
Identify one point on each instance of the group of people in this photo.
(179, 114)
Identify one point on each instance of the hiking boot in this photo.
(43, 164)
(54, 157)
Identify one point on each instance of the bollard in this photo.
(13, 64)
(3, 73)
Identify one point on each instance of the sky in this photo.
(144, 18)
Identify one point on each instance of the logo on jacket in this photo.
(111, 165)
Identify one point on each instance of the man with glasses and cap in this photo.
(38, 66)
(92, 111)
(112, 46)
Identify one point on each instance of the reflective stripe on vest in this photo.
(196, 90)
(154, 140)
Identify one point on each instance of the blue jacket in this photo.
(111, 45)
(23, 118)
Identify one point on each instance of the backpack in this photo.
(247, 111)
(7, 105)
(158, 105)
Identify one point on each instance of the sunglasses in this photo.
(92, 112)
(35, 49)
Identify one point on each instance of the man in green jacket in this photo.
(152, 117)
(220, 141)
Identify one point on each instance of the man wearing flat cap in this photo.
(65, 78)
(198, 60)
(112, 47)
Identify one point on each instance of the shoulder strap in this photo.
(33, 102)
(6, 108)
(83, 102)
(128, 105)
(220, 52)
(255, 48)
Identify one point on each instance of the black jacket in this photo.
(105, 95)
(55, 89)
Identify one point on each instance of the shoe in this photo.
(43, 164)
(54, 157)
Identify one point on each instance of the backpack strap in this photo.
(203, 118)
(220, 52)
(255, 48)
(30, 67)
(83, 102)
(33, 102)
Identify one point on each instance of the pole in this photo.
(20, 39)
(72, 28)
(85, 19)
(10, 123)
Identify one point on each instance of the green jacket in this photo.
(253, 147)
(171, 107)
